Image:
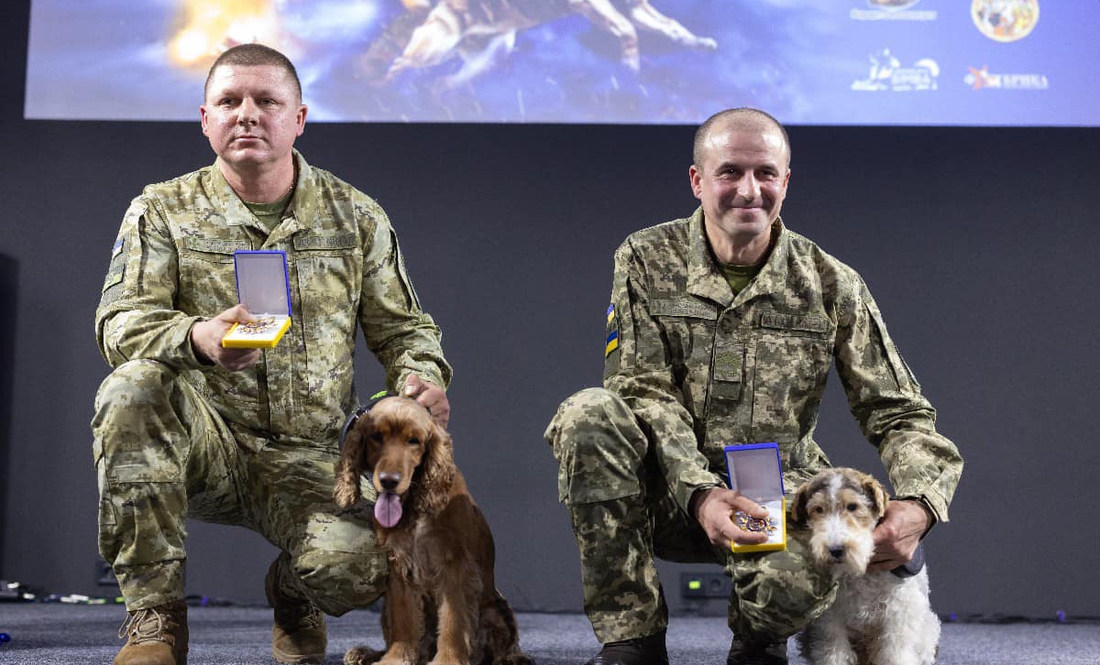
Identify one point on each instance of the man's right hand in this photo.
(713, 510)
(206, 340)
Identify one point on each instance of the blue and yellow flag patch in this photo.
(612, 341)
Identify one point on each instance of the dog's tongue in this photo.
(387, 510)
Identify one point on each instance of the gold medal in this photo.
(766, 525)
(257, 327)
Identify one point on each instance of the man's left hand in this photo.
(431, 397)
(898, 534)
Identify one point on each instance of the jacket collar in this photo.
(237, 213)
(706, 280)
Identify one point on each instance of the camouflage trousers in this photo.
(163, 453)
(624, 515)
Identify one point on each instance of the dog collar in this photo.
(363, 408)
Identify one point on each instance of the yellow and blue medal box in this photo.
(264, 289)
(756, 471)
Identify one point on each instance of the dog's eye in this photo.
(853, 507)
(817, 510)
(376, 437)
(414, 441)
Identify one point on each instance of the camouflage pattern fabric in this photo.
(690, 368)
(175, 437)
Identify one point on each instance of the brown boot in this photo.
(157, 636)
(299, 634)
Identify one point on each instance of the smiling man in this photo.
(185, 427)
(722, 329)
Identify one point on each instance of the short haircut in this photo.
(745, 117)
(254, 55)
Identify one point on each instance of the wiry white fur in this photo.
(878, 618)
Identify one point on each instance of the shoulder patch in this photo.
(611, 342)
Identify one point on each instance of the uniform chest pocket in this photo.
(328, 287)
(688, 327)
(792, 357)
(207, 279)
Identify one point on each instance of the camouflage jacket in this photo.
(703, 369)
(172, 265)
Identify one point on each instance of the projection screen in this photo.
(823, 62)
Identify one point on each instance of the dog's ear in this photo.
(348, 468)
(798, 505)
(877, 494)
(438, 469)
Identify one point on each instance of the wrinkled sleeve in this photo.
(894, 416)
(136, 317)
(637, 366)
(401, 335)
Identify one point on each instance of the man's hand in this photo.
(206, 340)
(431, 397)
(898, 534)
(713, 509)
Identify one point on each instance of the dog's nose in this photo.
(389, 481)
(837, 552)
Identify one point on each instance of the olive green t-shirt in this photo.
(739, 276)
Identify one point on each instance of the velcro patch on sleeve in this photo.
(611, 342)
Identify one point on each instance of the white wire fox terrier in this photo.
(878, 618)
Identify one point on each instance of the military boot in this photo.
(157, 636)
(299, 635)
(639, 651)
(757, 652)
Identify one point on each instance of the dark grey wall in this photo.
(978, 244)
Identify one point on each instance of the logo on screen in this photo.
(983, 79)
(1005, 20)
(892, 5)
(891, 10)
(887, 73)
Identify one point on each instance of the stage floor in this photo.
(60, 634)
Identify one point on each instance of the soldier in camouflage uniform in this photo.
(186, 428)
(722, 329)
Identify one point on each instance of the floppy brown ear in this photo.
(798, 505)
(438, 471)
(346, 490)
(878, 495)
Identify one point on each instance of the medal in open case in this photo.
(264, 289)
(756, 472)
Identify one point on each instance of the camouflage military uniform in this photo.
(691, 368)
(175, 437)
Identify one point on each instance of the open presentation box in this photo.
(263, 287)
(755, 470)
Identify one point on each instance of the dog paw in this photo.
(362, 656)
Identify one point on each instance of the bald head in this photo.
(742, 119)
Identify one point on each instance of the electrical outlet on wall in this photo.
(704, 585)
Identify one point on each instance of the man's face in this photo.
(742, 181)
(252, 115)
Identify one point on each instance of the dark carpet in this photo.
(61, 634)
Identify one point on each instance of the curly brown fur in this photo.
(441, 600)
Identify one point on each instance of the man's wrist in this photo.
(928, 511)
(697, 497)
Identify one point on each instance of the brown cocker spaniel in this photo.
(441, 596)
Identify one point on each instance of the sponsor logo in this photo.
(982, 79)
(890, 10)
(1005, 20)
(887, 73)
